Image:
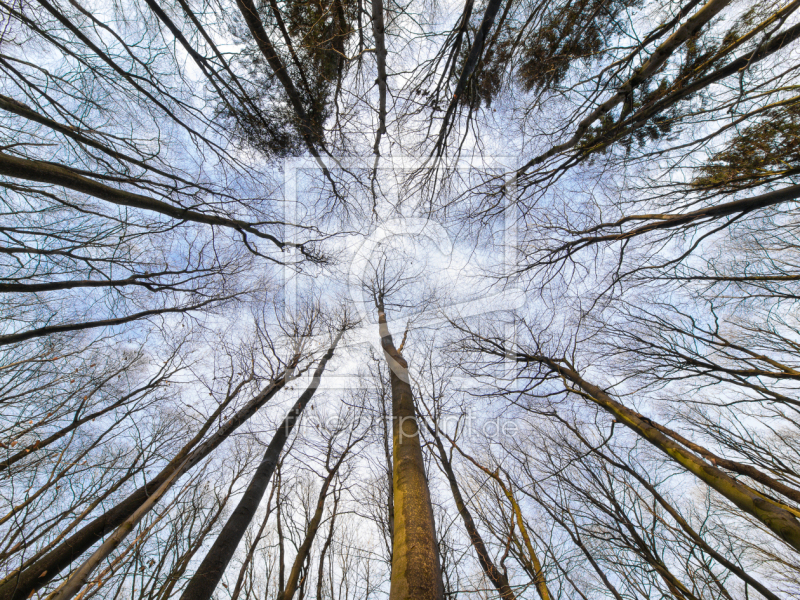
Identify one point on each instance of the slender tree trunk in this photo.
(303, 552)
(530, 561)
(656, 59)
(378, 31)
(492, 7)
(535, 566)
(252, 550)
(45, 172)
(81, 576)
(416, 573)
(55, 561)
(387, 452)
(779, 518)
(497, 577)
(210, 571)
(690, 532)
(326, 546)
(281, 546)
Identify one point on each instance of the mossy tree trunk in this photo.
(416, 572)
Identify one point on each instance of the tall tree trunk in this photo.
(532, 564)
(530, 561)
(326, 546)
(684, 525)
(210, 571)
(497, 577)
(45, 569)
(81, 576)
(650, 66)
(778, 517)
(304, 551)
(416, 573)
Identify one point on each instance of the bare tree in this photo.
(416, 571)
(616, 183)
(210, 571)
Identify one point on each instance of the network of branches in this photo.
(405, 299)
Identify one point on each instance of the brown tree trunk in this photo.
(210, 571)
(673, 512)
(46, 568)
(530, 561)
(252, 549)
(304, 552)
(416, 573)
(497, 577)
(326, 546)
(779, 518)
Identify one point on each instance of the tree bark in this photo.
(252, 550)
(647, 69)
(696, 538)
(497, 577)
(47, 172)
(303, 552)
(81, 576)
(469, 66)
(208, 574)
(777, 517)
(416, 571)
(55, 561)
(530, 562)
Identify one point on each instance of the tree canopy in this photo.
(402, 299)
